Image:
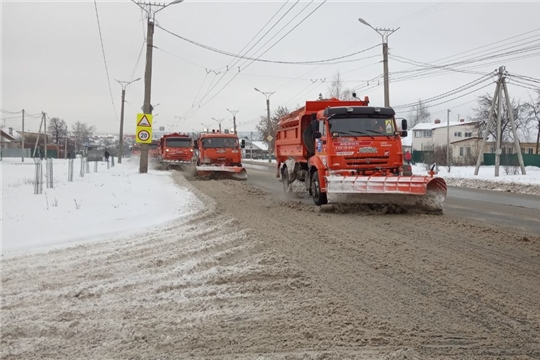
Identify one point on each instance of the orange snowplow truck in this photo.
(175, 150)
(219, 156)
(348, 152)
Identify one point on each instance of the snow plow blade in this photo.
(221, 172)
(424, 193)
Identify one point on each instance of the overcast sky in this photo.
(52, 58)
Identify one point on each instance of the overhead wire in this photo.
(299, 23)
(105, 60)
(233, 61)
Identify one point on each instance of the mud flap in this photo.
(409, 192)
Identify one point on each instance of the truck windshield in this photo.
(219, 143)
(358, 126)
(179, 143)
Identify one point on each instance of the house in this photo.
(427, 136)
(9, 139)
(255, 150)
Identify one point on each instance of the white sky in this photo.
(52, 59)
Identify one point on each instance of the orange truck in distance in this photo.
(175, 150)
(351, 153)
(219, 156)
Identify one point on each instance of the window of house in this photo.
(523, 150)
(468, 151)
(457, 134)
(461, 151)
(468, 134)
(529, 151)
(509, 150)
(418, 134)
(493, 149)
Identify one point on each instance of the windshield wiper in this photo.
(362, 133)
(380, 133)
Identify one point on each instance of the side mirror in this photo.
(243, 144)
(195, 144)
(317, 135)
(404, 125)
(404, 133)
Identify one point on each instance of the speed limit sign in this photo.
(143, 135)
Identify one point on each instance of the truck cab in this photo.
(357, 140)
(175, 148)
(216, 148)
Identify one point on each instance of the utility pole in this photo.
(385, 33)
(45, 133)
(497, 99)
(234, 112)
(251, 143)
(448, 161)
(267, 94)
(123, 84)
(147, 107)
(22, 140)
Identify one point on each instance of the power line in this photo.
(105, 60)
(304, 19)
(310, 62)
(210, 88)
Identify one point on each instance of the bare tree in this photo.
(338, 90)
(82, 132)
(262, 127)
(481, 115)
(419, 114)
(533, 109)
(57, 130)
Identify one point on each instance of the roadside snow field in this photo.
(513, 181)
(109, 202)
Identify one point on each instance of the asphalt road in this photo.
(519, 211)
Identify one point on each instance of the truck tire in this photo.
(285, 180)
(318, 197)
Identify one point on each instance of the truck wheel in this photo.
(319, 198)
(285, 180)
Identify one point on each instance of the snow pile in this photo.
(509, 179)
(109, 202)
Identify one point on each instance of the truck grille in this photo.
(368, 160)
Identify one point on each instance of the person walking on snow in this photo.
(107, 156)
(408, 157)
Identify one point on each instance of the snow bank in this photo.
(486, 179)
(109, 202)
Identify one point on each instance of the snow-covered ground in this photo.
(510, 179)
(110, 202)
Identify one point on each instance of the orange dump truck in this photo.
(175, 150)
(219, 156)
(349, 152)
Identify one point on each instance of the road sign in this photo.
(144, 129)
(143, 136)
(269, 138)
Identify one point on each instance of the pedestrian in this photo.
(107, 156)
(408, 157)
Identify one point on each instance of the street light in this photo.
(124, 84)
(385, 33)
(219, 122)
(267, 94)
(233, 112)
